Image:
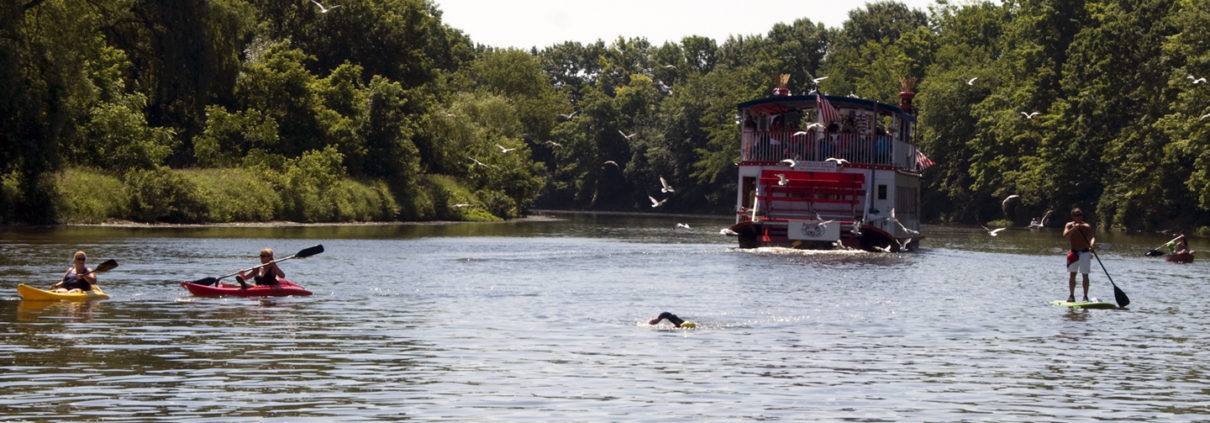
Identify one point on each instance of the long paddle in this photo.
(303, 253)
(1118, 295)
(1156, 251)
(105, 266)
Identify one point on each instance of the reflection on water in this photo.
(545, 320)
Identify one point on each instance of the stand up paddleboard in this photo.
(1084, 304)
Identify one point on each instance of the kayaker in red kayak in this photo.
(267, 274)
(78, 278)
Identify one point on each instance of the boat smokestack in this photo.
(905, 97)
(780, 85)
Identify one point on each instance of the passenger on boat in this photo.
(676, 321)
(266, 274)
(78, 277)
(749, 137)
(1080, 235)
(777, 132)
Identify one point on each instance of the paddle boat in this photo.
(824, 172)
(283, 288)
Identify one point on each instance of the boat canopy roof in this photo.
(780, 104)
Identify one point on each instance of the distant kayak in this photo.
(1084, 304)
(1186, 257)
(34, 294)
(284, 288)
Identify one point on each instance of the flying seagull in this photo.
(782, 179)
(839, 162)
(992, 232)
(1196, 80)
(789, 162)
(505, 150)
(610, 162)
(664, 186)
(1009, 198)
(478, 162)
(462, 205)
(816, 80)
(972, 81)
(1029, 115)
(323, 9)
(656, 203)
(683, 225)
(1207, 115)
(567, 116)
(627, 136)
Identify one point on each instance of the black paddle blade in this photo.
(206, 281)
(310, 251)
(1154, 253)
(106, 265)
(1121, 297)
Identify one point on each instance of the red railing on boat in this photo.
(809, 195)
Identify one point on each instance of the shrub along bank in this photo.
(251, 195)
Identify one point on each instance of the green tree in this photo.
(866, 32)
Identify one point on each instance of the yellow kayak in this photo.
(34, 294)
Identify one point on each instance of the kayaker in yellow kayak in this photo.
(266, 274)
(78, 278)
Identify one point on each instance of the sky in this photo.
(542, 23)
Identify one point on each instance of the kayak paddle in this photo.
(303, 253)
(1156, 251)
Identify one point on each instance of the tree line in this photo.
(226, 110)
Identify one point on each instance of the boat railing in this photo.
(815, 145)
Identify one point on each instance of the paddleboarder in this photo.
(267, 274)
(1080, 235)
(78, 278)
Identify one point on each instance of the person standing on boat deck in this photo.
(267, 274)
(1079, 234)
(78, 278)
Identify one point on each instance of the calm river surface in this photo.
(546, 321)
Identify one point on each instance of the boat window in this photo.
(882, 191)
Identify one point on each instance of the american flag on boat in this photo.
(922, 161)
(827, 113)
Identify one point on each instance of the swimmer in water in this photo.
(676, 321)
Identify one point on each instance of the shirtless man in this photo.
(1079, 234)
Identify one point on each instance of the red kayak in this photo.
(284, 288)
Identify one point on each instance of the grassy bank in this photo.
(251, 195)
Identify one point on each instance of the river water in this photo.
(545, 320)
